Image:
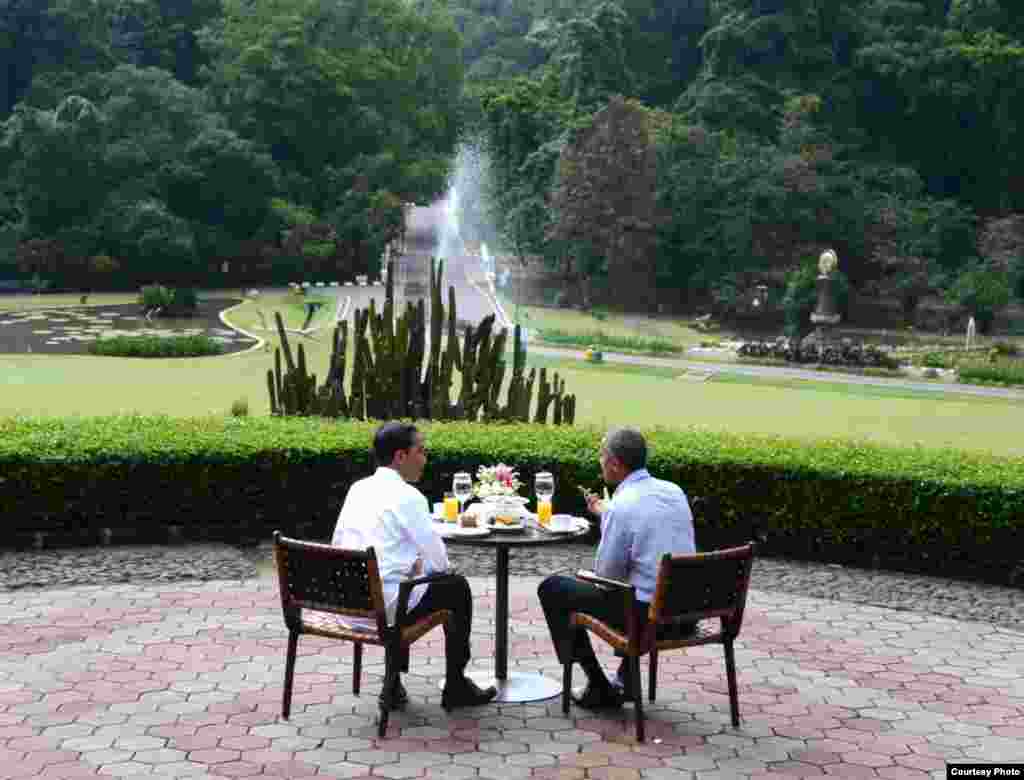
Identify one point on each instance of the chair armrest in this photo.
(405, 590)
(604, 582)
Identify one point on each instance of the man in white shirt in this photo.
(386, 512)
(645, 519)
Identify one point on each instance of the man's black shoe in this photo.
(466, 694)
(598, 697)
(623, 682)
(399, 696)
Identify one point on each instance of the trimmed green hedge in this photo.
(156, 346)
(83, 480)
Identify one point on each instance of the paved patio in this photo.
(184, 680)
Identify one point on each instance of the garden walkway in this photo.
(184, 680)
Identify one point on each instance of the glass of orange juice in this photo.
(543, 511)
(451, 507)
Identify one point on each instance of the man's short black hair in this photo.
(390, 438)
(628, 446)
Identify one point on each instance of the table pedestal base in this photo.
(518, 687)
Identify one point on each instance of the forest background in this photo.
(153, 140)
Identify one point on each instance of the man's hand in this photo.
(594, 504)
(417, 569)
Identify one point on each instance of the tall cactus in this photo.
(389, 378)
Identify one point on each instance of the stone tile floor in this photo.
(184, 680)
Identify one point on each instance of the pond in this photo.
(69, 330)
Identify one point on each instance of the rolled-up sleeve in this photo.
(615, 550)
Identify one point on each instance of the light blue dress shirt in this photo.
(645, 519)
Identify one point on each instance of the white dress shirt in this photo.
(645, 519)
(385, 512)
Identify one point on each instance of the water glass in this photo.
(544, 486)
(462, 485)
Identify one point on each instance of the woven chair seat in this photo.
(329, 625)
(705, 633)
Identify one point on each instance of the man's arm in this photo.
(428, 541)
(616, 547)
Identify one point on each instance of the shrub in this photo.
(999, 370)
(156, 346)
(982, 291)
(600, 340)
(944, 510)
(937, 360)
(842, 354)
(154, 296)
(240, 407)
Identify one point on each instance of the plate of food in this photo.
(506, 523)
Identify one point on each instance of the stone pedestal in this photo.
(826, 314)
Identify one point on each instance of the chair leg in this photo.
(289, 674)
(638, 701)
(652, 673)
(566, 686)
(391, 662)
(357, 667)
(566, 652)
(730, 673)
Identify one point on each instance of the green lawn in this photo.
(610, 394)
(619, 326)
(607, 394)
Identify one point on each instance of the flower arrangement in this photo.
(500, 480)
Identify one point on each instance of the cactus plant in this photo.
(389, 378)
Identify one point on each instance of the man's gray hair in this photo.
(628, 446)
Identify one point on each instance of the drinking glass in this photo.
(451, 508)
(462, 484)
(544, 487)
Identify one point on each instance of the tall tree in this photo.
(341, 89)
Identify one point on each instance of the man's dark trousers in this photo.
(561, 595)
(453, 595)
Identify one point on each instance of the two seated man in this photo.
(644, 519)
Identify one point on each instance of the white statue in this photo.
(971, 330)
(828, 262)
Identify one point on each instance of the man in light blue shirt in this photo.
(644, 519)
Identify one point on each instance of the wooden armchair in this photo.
(319, 582)
(689, 589)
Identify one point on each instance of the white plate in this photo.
(455, 530)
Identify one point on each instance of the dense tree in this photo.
(338, 90)
(134, 166)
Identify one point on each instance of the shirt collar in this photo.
(388, 473)
(634, 476)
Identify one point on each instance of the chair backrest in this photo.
(328, 579)
(701, 586)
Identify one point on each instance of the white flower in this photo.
(499, 480)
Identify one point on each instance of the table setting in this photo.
(500, 509)
(501, 519)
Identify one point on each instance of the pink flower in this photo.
(504, 474)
